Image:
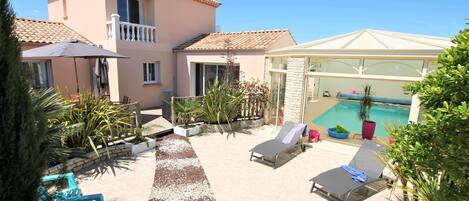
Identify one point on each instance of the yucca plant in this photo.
(365, 104)
(221, 103)
(187, 110)
(101, 121)
(54, 106)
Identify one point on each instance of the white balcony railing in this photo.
(129, 31)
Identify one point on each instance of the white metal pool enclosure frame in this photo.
(368, 54)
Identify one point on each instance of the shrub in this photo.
(437, 147)
(257, 97)
(102, 121)
(221, 103)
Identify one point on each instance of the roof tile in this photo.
(39, 31)
(250, 40)
(214, 3)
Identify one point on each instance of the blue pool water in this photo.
(345, 113)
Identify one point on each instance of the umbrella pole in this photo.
(76, 74)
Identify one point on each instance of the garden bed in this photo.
(76, 164)
(121, 149)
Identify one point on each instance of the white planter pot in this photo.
(178, 130)
(143, 146)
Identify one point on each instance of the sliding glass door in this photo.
(206, 74)
(278, 97)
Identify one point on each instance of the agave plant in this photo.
(187, 110)
(101, 120)
(221, 103)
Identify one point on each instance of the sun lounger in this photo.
(338, 182)
(287, 139)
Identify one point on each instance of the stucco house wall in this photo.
(251, 64)
(175, 23)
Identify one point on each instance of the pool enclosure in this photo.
(310, 78)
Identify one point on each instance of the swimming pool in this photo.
(345, 113)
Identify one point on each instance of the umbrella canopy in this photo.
(73, 48)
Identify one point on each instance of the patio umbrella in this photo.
(72, 49)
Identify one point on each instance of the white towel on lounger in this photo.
(289, 137)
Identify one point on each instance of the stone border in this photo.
(241, 124)
(76, 164)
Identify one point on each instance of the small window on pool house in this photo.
(332, 65)
(279, 63)
(405, 68)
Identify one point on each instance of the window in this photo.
(130, 11)
(279, 63)
(40, 74)
(151, 73)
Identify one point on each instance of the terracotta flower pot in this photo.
(368, 129)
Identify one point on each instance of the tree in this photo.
(22, 128)
(434, 153)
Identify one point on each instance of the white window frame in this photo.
(156, 73)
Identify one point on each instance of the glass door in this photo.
(210, 75)
(206, 74)
(278, 97)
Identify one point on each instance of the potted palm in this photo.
(368, 126)
(186, 112)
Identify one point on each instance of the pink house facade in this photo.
(172, 46)
(144, 30)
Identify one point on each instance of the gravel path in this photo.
(179, 175)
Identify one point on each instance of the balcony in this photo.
(127, 31)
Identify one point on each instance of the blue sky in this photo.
(314, 19)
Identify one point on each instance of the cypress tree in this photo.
(22, 129)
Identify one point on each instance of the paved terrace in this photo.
(232, 177)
